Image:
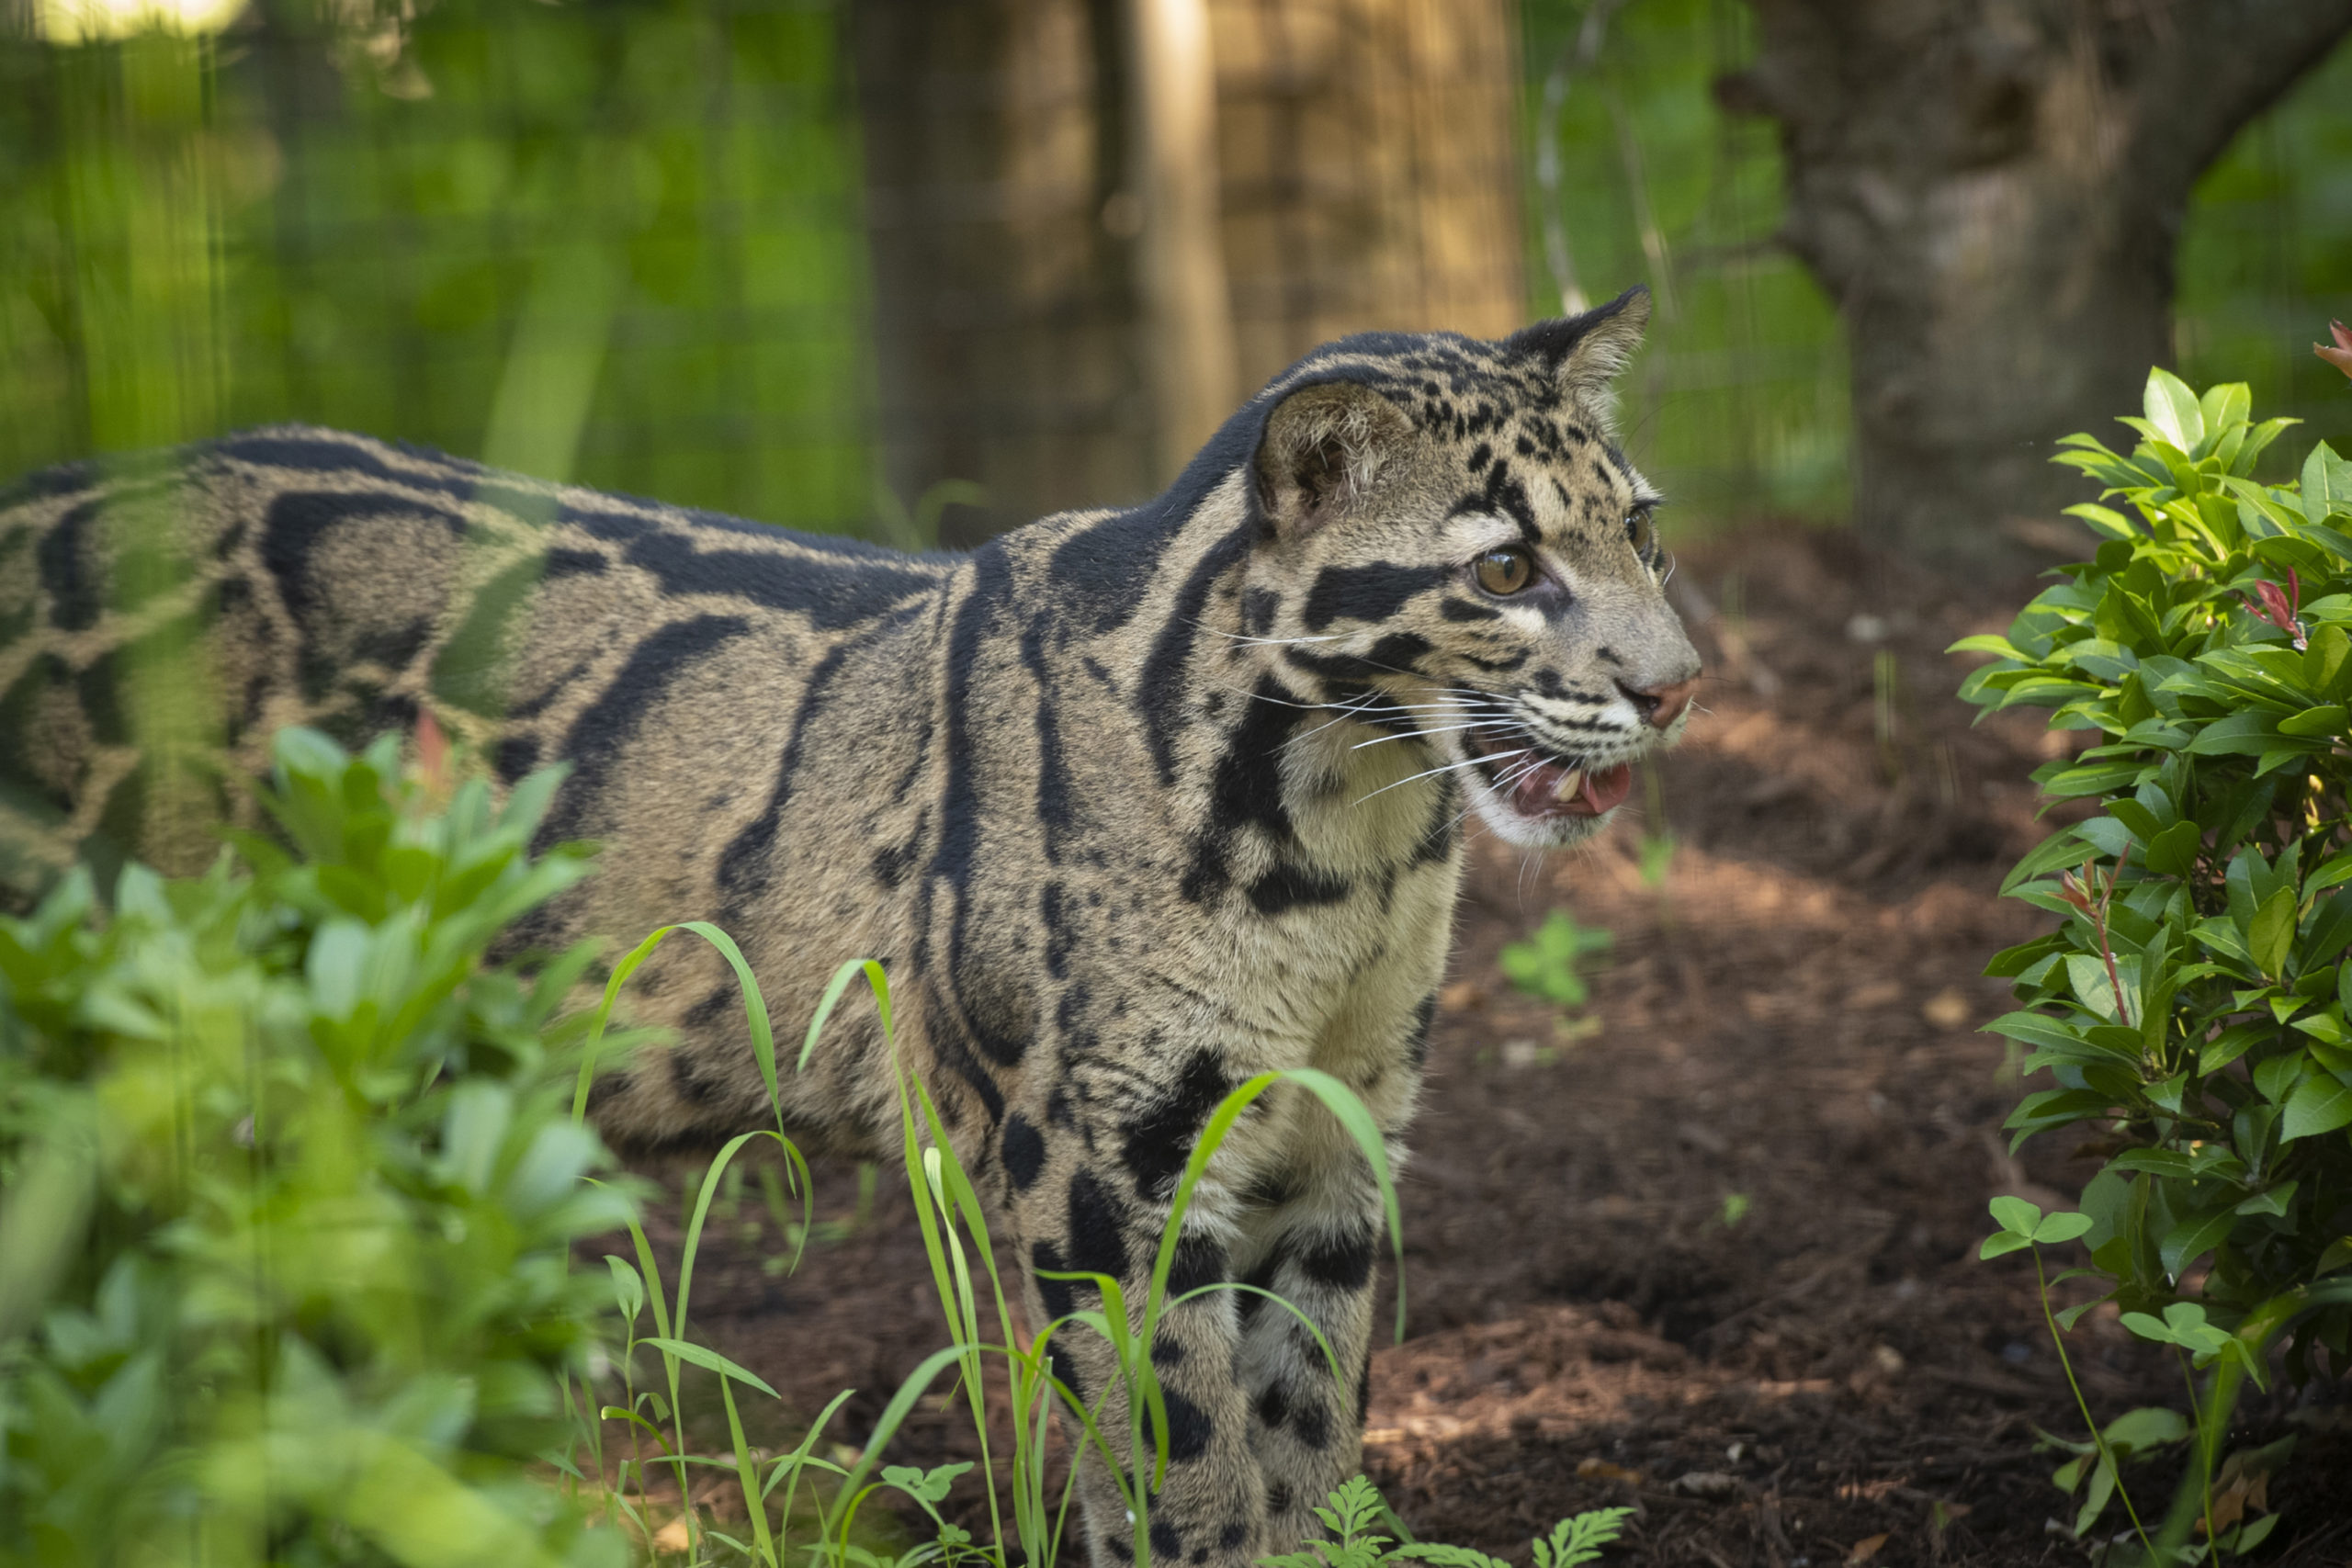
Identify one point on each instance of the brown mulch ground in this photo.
(1712, 1253)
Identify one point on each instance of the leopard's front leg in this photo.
(1312, 1241)
(1094, 1217)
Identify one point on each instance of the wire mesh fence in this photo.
(619, 241)
(1738, 407)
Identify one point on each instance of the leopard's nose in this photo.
(1661, 705)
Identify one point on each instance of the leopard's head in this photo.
(1453, 548)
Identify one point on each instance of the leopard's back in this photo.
(161, 617)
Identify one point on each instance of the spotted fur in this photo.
(1132, 805)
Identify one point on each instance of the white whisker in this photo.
(1279, 702)
(1372, 702)
(1509, 780)
(1493, 789)
(1447, 768)
(1200, 625)
(1310, 734)
(1418, 734)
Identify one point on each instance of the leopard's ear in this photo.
(1589, 352)
(1323, 450)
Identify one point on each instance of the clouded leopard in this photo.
(1132, 803)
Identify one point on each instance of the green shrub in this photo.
(2190, 1006)
(290, 1189)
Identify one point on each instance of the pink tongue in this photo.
(1603, 790)
(1607, 790)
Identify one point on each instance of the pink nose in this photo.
(1663, 705)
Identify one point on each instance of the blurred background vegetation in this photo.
(809, 259)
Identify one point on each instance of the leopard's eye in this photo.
(1642, 528)
(1505, 570)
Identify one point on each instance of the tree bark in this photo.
(1082, 261)
(1370, 171)
(1993, 191)
(1005, 339)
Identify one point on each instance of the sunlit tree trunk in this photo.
(1186, 314)
(1993, 191)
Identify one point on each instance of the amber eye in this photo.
(1505, 570)
(1642, 529)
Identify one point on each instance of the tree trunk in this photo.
(1004, 320)
(1082, 264)
(1371, 176)
(1992, 191)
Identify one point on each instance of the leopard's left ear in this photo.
(1323, 450)
(1588, 352)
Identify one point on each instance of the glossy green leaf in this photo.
(2324, 720)
(2276, 1078)
(2271, 932)
(2036, 1029)
(2061, 849)
(2240, 734)
(1985, 643)
(2321, 1104)
(2225, 404)
(2192, 1238)
(2330, 873)
(2271, 1201)
(2173, 850)
(2320, 493)
(2172, 411)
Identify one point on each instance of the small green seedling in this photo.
(2134, 1434)
(1656, 859)
(1356, 1506)
(2184, 1325)
(1545, 964)
(2024, 1225)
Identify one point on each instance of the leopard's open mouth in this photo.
(1554, 786)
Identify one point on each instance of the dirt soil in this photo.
(1709, 1247)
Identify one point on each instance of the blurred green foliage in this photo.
(620, 241)
(1544, 964)
(1739, 406)
(2267, 259)
(616, 241)
(290, 1183)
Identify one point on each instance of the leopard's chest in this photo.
(1345, 932)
